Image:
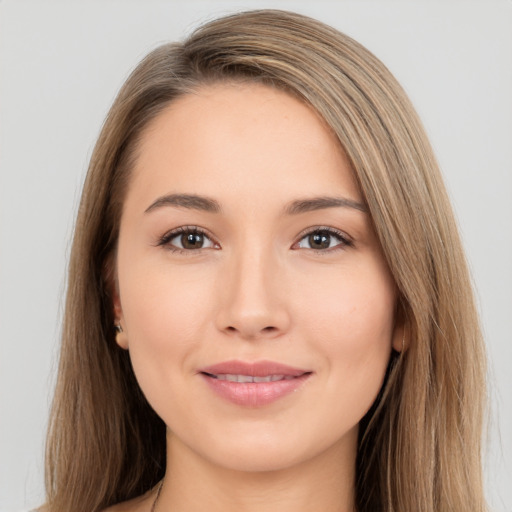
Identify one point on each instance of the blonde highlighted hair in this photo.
(419, 445)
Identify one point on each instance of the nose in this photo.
(253, 296)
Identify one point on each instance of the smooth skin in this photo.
(308, 289)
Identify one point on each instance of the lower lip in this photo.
(254, 394)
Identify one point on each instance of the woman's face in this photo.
(256, 304)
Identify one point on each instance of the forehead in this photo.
(241, 140)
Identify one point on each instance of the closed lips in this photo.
(241, 371)
(253, 384)
(249, 378)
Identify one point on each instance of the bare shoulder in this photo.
(140, 504)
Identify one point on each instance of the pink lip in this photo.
(254, 394)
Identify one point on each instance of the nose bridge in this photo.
(253, 297)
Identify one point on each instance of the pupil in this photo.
(192, 240)
(319, 241)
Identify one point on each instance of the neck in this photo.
(325, 482)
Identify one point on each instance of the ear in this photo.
(110, 279)
(121, 335)
(400, 341)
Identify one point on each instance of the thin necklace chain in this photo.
(153, 507)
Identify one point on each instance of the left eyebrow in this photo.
(319, 203)
(190, 201)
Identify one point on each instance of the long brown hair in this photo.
(419, 447)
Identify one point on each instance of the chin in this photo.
(268, 453)
(257, 461)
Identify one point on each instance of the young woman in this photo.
(268, 304)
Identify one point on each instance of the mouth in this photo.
(248, 378)
(254, 384)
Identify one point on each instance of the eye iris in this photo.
(319, 240)
(192, 240)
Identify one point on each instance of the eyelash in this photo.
(188, 230)
(343, 239)
(164, 241)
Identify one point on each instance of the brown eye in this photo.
(319, 240)
(192, 240)
(323, 239)
(186, 239)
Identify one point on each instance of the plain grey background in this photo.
(61, 64)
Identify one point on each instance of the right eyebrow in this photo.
(322, 202)
(190, 201)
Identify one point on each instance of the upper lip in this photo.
(254, 369)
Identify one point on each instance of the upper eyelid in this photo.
(196, 229)
(188, 229)
(345, 240)
(331, 230)
(164, 240)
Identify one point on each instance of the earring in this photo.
(120, 338)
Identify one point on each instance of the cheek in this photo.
(160, 298)
(350, 321)
(352, 302)
(165, 311)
